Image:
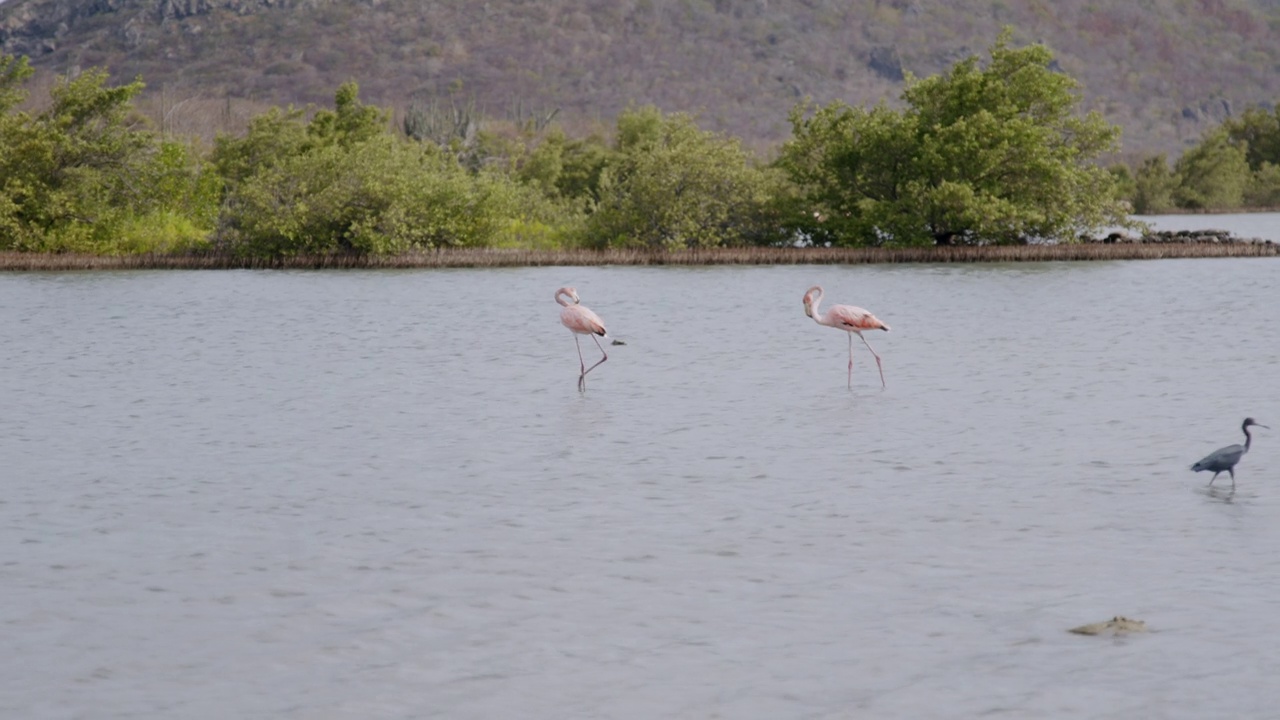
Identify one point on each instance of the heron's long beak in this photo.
(1260, 425)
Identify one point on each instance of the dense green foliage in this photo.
(671, 185)
(1153, 186)
(80, 176)
(1212, 174)
(991, 154)
(564, 168)
(1235, 165)
(342, 183)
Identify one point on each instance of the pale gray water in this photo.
(379, 494)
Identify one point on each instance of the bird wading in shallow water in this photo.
(849, 318)
(1227, 457)
(581, 321)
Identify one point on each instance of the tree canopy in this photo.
(996, 150)
(1234, 165)
(82, 175)
(982, 154)
(670, 184)
(341, 182)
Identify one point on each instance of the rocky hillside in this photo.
(1162, 69)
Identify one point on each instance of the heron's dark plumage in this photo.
(1227, 457)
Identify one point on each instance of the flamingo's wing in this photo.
(855, 318)
(579, 319)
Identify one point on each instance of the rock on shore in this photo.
(1214, 237)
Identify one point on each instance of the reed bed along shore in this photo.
(487, 257)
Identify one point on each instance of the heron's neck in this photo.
(1247, 438)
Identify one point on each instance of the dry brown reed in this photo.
(483, 257)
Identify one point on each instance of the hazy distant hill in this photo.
(1163, 69)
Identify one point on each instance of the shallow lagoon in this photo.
(379, 494)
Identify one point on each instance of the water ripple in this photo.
(303, 495)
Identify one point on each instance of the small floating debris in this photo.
(1115, 626)
(618, 342)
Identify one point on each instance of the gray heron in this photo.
(1227, 457)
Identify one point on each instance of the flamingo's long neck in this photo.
(562, 297)
(815, 311)
(825, 318)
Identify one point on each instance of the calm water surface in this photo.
(380, 494)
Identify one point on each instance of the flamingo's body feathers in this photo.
(582, 321)
(852, 317)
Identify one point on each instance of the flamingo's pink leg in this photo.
(582, 365)
(850, 359)
(603, 356)
(877, 357)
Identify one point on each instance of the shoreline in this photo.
(493, 258)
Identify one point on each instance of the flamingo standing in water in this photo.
(849, 318)
(581, 321)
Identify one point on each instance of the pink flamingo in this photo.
(581, 321)
(852, 320)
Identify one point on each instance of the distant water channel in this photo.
(366, 495)
(1242, 225)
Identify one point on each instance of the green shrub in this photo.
(161, 231)
(75, 174)
(1264, 187)
(383, 195)
(1153, 186)
(672, 185)
(1258, 132)
(994, 154)
(1212, 175)
(272, 137)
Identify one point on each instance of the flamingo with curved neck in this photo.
(849, 318)
(581, 321)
